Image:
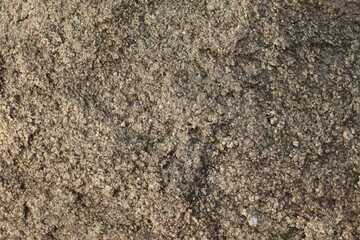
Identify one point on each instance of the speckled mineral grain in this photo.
(189, 119)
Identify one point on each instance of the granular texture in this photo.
(188, 119)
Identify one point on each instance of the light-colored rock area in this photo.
(161, 119)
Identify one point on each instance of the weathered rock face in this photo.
(159, 119)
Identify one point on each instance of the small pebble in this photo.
(253, 221)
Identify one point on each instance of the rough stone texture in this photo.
(164, 119)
